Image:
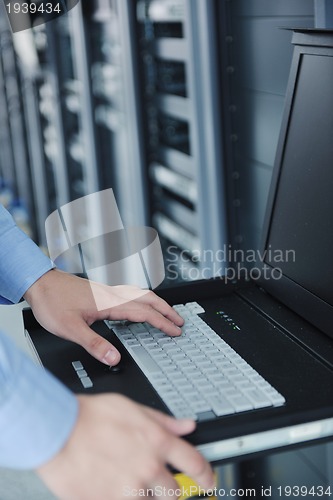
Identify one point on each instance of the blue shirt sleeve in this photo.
(37, 413)
(21, 261)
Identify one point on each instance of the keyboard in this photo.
(197, 375)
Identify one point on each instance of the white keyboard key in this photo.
(185, 387)
(162, 356)
(121, 329)
(86, 382)
(144, 360)
(179, 307)
(77, 365)
(179, 357)
(159, 335)
(144, 335)
(240, 403)
(195, 308)
(200, 407)
(153, 350)
(137, 328)
(211, 392)
(132, 342)
(278, 400)
(157, 377)
(82, 373)
(184, 413)
(154, 331)
(258, 398)
(221, 406)
(166, 364)
(164, 341)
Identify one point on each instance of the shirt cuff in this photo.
(22, 263)
(37, 412)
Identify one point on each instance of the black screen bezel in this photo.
(305, 303)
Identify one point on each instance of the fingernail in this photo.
(110, 357)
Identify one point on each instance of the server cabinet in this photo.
(126, 97)
(184, 153)
(59, 115)
(111, 56)
(41, 183)
(67, 76)
(14, 159)
(6, 159)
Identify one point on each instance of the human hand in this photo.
(118, 448)
(66, 306)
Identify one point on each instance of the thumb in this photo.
(100, 348)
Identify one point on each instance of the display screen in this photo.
(300, 239)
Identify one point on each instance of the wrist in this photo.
(39, 287)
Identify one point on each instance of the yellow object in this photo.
(190, 488)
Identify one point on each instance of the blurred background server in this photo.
(176, 105)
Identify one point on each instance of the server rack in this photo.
(59, 117)
(6, 159)
(184, 153)
(39, 179)
(116, 115)
(71, 136)
(15, 167)
(98, 89)
(48, 125)
(86, 112)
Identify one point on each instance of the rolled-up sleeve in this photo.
(37, 413)
(21, 261)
